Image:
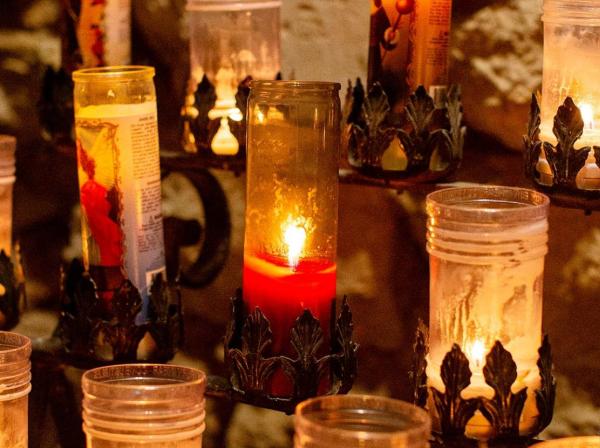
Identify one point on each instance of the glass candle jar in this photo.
(119, 175)
(7, 179)
(143, 405)
(360, 421)
(571, 442)
(292, 204)
(15, 385)
(229, 41)
(486, 250)
(571, 69)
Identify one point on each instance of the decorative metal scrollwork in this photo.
(503, 411)
(12, 289)
(96, 330)
(427, 138)
(247, 344)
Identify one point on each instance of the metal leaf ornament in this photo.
(418, 375)
(251, 369)
(454, 114)
(566, 161)
(546, 395)
(504, 410)
(420, 141)
(205, 98)
(306, 370)
(454, 412)
(344, 363)
(533, 145)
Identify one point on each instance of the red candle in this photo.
(283, 287)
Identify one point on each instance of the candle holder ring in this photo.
(424, 143)
(562, 162)
(247, 344)
(12, 289)
(96, 330)
(503, 411)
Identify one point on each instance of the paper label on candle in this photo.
(392, 23)
(104, 32)
(120, 191)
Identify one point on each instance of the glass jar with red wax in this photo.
(292, 206)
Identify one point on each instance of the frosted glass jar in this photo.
(486, 251)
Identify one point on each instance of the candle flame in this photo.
(587, 114)
(294, 236)
(476, 352)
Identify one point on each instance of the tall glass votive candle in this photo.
(143, 406)
(229, 41)
(571, 69)
(486, 251)
(119, 175)
(7, 179)
(15, 385)
(360, 421)
(291, 208)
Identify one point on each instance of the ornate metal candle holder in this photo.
(564, 160)
(12, 289)
(250, 368)
(198, 129)
(95, 330)
(503, 411)
(425, 141)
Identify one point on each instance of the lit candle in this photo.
(571, 70)
(229, 41)
(119, 176)
(291, 210)
(486, 248)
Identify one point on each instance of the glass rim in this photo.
(17, 344)
(90, 379)
(580, 441)
(422, 423)
(230, 5)
(113, 73)
(326, 86)
(450, 203)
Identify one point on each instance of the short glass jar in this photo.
(144, 406)
(360, 421)
(15, 385)
(486, 251)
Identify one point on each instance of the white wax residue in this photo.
(108, 111)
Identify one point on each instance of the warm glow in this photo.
(587, 114)
(476, 352)
(224, 142)
(294, 236)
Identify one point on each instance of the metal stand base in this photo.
(248, 341)
(503, 411)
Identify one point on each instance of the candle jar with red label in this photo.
(292, 204)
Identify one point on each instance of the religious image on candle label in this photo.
(119, 178)
(389, 55)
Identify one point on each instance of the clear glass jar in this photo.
(360, 421)
(233, 39)
(292, 203)
(119, 175)
(143, 405)
(230, 40)
(571, 442)
(15, 385)
(571, 69)
(486, 251)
